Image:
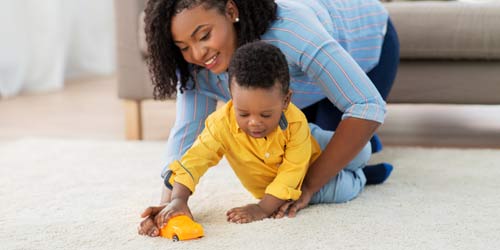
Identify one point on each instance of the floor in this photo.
(89, 109)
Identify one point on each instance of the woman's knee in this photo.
(322, 136)
(344, 187)
(350, 185)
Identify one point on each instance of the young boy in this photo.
(266, 140)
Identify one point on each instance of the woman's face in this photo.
(205, 36)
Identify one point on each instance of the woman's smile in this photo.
(210, 63)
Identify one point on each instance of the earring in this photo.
(236, 20)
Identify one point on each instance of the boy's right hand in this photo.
(156, 217)
(174, 208)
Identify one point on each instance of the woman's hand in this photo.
(148, 226)
(292, 207)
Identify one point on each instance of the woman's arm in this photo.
(351, 136)
(192, 109)
(309, 46)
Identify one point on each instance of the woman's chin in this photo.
(217, 70)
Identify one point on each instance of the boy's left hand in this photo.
(246, 214)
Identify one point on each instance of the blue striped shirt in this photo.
(329, 45)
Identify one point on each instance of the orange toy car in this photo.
(181, 228)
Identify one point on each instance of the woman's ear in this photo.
(287, 100)
(232, 11)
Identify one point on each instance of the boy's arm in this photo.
(156, 216)
(195, 108)
(180, 192)
(205, 152)
(269, 204)
(286, 185)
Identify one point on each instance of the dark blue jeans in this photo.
(327, 116)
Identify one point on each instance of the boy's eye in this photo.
(243, 115)
(266, 116)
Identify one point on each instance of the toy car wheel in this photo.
(175, 238)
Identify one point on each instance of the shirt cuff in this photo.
(182, 175)
(166, 167)
(283, 192)
(367, 111)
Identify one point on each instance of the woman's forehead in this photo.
(188, 20)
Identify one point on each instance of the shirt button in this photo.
(267, 154)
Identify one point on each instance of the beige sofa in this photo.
(450, 53)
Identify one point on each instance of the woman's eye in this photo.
(184, 49)
(205, 37)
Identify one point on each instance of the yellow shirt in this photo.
(274, 165)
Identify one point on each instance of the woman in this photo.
(342, 56)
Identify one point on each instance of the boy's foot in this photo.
(376, 144)
(377, 174)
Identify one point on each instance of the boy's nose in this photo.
(253, 122)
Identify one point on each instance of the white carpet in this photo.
(60, 194)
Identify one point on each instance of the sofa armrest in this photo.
(132, 74)
(449, 30)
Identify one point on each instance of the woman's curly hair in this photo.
(166, 64)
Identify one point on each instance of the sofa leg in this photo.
(133, 120)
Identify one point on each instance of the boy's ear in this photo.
(287, 100)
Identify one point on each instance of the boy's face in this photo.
(257, 110)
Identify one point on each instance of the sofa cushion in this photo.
(450, 82)
(459, 30)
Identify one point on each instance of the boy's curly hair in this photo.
(165, 61)
(259, 65)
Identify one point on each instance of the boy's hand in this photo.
(174, 208)
(148, 226)
(156, 217)
(246, 214)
